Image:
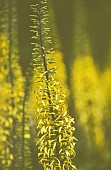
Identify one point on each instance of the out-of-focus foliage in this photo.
(60, 70)
(15, 133)
(5, 92)
(10, 103)
(92, 100)
(80, 42)
(56, 139)
(87, 95)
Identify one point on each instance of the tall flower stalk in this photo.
(56, 139)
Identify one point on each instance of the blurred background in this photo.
(81, 36)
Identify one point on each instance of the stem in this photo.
(47, 75)
(44, 59)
